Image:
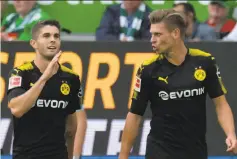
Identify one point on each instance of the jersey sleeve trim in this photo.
(224, 90)
(65, 69)
(152, 60)
(222, 86)
(82, 108)
(197, 52)
(26, 66)
(214, 82)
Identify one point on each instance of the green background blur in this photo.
(84, 18)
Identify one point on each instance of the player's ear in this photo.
(33, 43)
(175, 33)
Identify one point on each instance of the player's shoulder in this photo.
(149, 62)
(147, 65)
(199, 53)
(26, 67)
(68, 72)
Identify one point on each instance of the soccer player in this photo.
(45, 100)
(176, 82)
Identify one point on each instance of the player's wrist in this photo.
(42, 82)
(42, 79)
(232, 135)
(123, 155)
(76, 157)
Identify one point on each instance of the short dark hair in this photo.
(219, 3)
(188, 7)
(36, 28)
(171, 18)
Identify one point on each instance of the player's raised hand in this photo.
(231, 143)
(52, 67)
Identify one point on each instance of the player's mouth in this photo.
(52, 48)
(153, 46)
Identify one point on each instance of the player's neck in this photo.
(177, 55)
(41, 63)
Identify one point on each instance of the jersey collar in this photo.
(37, 70)
(185, 59)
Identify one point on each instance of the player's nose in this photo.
(52, 39)
(153, 39)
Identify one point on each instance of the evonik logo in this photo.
(51, 103)
(181, 94)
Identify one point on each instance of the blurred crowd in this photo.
(127, 21)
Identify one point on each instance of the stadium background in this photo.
(107, 71)
(87, 13)
(113, 64)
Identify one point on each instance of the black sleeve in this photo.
(15, 84)
(15, 92)
(140, 93)
(213, 83)
(76, 99)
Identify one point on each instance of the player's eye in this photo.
(157, 34)
(56, 35)
(46, 35)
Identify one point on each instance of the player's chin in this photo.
(156, 50)
(50, 54)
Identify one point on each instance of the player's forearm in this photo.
(80, 133)
(70, 145)
(225, 118)
(23, 103)
(129, 133)
(71, 128)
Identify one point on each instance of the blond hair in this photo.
(171, 18)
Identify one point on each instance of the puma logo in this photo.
(163, 79)
(16, 70)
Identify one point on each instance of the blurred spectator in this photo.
(127, 21)
(218, 17)
(232, 36)
(196, 31)
(17, 26)
(232, 6)
(3, 8)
